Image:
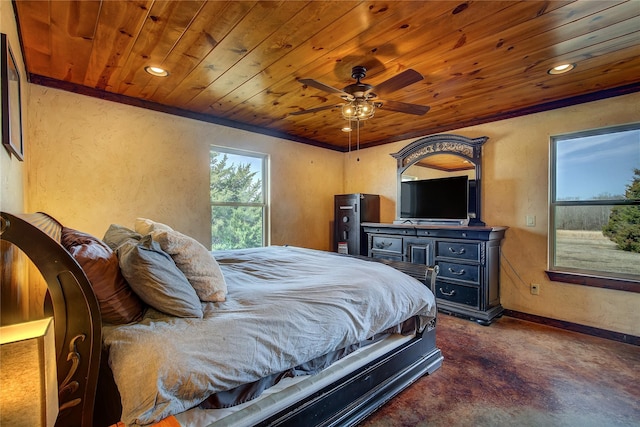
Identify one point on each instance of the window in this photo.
(595, 208)
(239, 199)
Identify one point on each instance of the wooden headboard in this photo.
(71, 301)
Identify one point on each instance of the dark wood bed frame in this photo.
(78, 324)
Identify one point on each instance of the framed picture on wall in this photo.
(11, 102)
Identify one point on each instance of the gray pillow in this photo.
(118, 234)
(194, 260)
(153, 275)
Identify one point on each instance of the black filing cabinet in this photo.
(351, 210)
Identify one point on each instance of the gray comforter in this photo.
(285, 306)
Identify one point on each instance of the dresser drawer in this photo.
(452, 270)
(466, 251)
(386, 255)
(386, 243)
(467, 295)
(395, 230)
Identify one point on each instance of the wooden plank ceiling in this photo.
(238, 62)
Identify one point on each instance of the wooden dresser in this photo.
(468, 258)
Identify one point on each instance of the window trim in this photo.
(578, 276)
(594, 281)
(266, 200)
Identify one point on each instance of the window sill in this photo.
(595, 281)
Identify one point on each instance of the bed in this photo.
(298, 337)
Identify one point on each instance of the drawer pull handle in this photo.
(453, 251)
(383, 245)
(457, 273)
(448, 294)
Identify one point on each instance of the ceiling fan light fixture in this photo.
(358, 109)
(156, 71)
(561, 69)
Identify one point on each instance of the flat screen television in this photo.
(435, 199)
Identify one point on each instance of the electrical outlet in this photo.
(535, 289)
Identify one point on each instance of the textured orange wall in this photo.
(515, 176)
(15, 289)
(11, 170)
(95, 162)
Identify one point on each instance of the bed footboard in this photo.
(74, 308)
(350, 400)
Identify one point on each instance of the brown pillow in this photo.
(118, 303)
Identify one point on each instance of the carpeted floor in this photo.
(518, 373)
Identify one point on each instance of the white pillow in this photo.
(146, 226)
(191, 257)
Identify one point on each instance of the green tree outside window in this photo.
(237, 200)
(624, 222)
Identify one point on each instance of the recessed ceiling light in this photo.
(346, 129)
(156, 71)
(560, 69)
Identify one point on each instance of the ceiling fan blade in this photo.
(314, 110)
(324, 87)
(403, 107)
(398, 81)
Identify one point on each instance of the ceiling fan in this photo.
(362, 101)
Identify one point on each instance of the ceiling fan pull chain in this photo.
(358, 141)
(350, 139)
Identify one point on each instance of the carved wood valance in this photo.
(469, 148)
